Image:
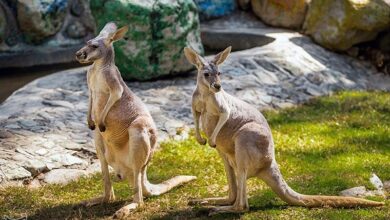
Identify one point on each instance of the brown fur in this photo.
(244, 140)
(126, 135)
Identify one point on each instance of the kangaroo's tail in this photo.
(158, 189)
(274, 179)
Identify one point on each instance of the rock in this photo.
(77, 8)
(5, 134)
(58, 103)
(40, 19)
(76, 30)
(66, 159)
(28, 123)
(287, 14)
(63, 176)
(359, 191)
(158, 32)
(386, 186)
(41, 152)
(215, 8)
(34, 184)
(14, 172)
(376, 182)
(35, 167)
(339, 25)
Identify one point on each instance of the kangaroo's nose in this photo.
(217, 86)
(80, 54)
(119, 176)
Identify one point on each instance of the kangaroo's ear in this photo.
(194, 58)
(221, 57)
(119, 34)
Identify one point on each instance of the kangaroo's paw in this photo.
(95, 201)
(125, 211)
(211, 201)
(201, 140)
(227, 209)
(102, 127)
(91, 125)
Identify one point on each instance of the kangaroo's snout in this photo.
(216, 87)
(80, 55)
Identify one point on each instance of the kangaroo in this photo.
(126, 136)
(243, 139)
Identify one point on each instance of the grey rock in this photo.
(58, 103)
(63, 176)
(376, 182)
(35, 166)
(15, 172)
(42, 152)
(28, 123)
(359, 191)
(5, 134)
(66, 159)
(12, 126)
(76, 30)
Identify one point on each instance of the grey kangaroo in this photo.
(243, 139)
(126, 134)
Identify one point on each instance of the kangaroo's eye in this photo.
(94, 46)
(219, 73)
(206, 74)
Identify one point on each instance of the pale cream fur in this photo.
(244, 141)
(126, 134)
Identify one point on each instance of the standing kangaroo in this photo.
(244, 140)
(126, 134)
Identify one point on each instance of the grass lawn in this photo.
(323, 147)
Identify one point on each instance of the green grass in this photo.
(323, 147)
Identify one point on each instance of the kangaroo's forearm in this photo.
(223, 117)
(114, 97)
(196, 116)
(89, 114)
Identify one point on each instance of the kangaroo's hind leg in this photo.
(231, 177)
(139, 153)
(108, 190)
(251, 155)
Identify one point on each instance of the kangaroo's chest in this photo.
(99, 92)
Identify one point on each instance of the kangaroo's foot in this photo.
(228, 209)
(212, 201)
(97, 200)
(125, 210)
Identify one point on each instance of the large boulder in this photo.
(215, 8)
(340, 24)
(158, 32)
(281, 13)
(40, 19)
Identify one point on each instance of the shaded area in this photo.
(12, 79)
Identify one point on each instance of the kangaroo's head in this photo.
(101, 46)
(208, 73)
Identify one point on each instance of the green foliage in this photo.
(323, 147)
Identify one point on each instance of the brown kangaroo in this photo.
(126, 134)
(244, 140)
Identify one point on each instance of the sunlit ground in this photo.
(328, 145)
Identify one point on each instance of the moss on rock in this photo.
(158, 32)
